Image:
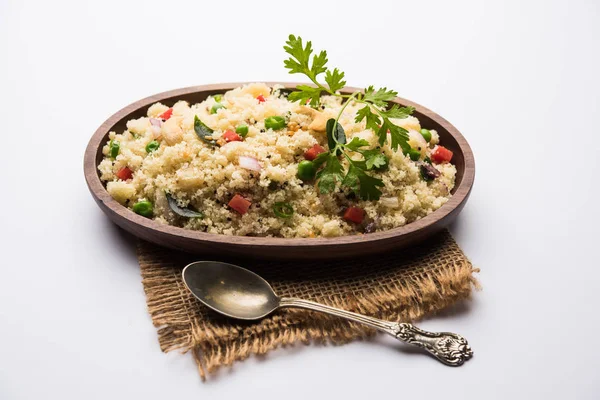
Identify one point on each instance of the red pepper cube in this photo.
(231, 136)
(354, 214)
(124, 173)
(239, 204)
(167, 114)
(441, 154)
(260, 98)
(313, 152)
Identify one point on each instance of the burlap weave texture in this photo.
(403, 285)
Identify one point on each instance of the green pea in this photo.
(414, 154)
(216, 107)
(152, 146)
(114, 148)
(426, 133)
(242, 130)
(276, 123)
(143, 208)
(218, 97)
(306, 170)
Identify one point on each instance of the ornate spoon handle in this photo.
(449, 348)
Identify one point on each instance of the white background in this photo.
(519, 79)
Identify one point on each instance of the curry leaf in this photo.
(333, 138)
(182, 211)
(203, 131)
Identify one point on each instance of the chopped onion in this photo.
(156, 131)
(417, 141)
(250, 163)
(389, 202)
(156, 122)
(446, 189)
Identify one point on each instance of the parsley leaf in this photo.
(382, 134)
(365, 185)
(330, 174)
(335, 80)
(398, 112)
(321, 159)
(351, 179)
(373, 120)
(318, 64)
(375, 159)
(368, 187)
(299, 61)
(379, 97)
(376, 113)
(399, 135)
(356, 144)
(306, 93)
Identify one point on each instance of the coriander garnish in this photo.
(376, 114)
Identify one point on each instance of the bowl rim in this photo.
(99, 191)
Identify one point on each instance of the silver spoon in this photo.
(238, 293)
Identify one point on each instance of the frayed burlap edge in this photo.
(174, 312)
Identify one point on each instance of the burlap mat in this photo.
(399, 286)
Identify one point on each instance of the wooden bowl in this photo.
(275, 248)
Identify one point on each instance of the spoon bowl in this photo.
(230, 290)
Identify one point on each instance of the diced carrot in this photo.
(441, 154)
(354, 214)
(231, 136)
(313, 152)
(167, 114)
(124, 173)
(260, 98)
(239, 204)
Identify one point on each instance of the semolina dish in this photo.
(249, 182)
(264, 161)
